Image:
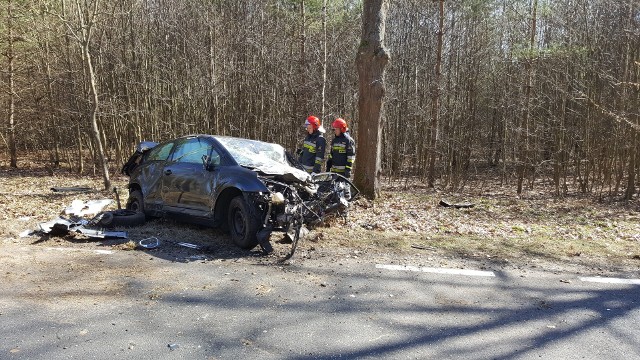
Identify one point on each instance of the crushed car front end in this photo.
(294, 205)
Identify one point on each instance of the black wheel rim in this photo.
(238, 223)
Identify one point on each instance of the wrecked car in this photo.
(250, 188)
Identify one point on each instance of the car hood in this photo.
(285, 173)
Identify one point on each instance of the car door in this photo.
(186, 184)
(149, 175)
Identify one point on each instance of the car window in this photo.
(191, 151)
(160, 152)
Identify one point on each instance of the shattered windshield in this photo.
(266, 157)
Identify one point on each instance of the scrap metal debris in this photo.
(62, 226)
(72, 189)
(153, 242)
(98, 234)
(192, 246)
(73, 222)
(445, 203)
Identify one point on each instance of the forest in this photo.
(528, 92)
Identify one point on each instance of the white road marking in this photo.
(611, 280)
(436, 270)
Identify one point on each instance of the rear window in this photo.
(160, 152)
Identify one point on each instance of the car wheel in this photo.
(136, 201)
(242, 226)
(120, 217)
(127, 218)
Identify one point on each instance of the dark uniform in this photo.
(312, 155)
(342, 155)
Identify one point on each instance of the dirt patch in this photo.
(405, 224)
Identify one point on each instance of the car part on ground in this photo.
(82, 208)
(149, 243)
(118, 218)
(445, 203)
(62, 226)
(78, 189)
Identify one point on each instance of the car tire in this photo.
(122, 217)
(242, 226)
(102, 219)
(136, 201)
(127, 218)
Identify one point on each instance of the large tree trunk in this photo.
(324, 57)
(371, 61)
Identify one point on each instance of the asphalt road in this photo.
(59, 303)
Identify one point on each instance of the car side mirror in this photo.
(210, 162)
(206, 163)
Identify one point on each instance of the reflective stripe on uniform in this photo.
(340, 148)
(310, 146)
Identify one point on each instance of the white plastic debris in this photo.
(91, 207)
(149, 243)
(26, 233)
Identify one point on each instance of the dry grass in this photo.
(500, 226)
(403, 221)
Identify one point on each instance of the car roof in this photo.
(221, 136)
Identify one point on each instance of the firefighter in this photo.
(343, 150)
(312, 155)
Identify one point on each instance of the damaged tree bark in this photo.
(371, 61)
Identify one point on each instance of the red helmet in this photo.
(339, 123)
(313, 121)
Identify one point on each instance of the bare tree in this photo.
(11, 125)
(531, 88)
(435, 98)
(82, 30)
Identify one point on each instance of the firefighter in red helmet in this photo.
(343, 150)
(313, 148)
